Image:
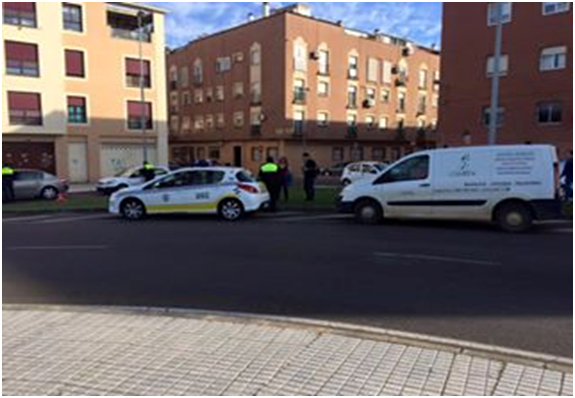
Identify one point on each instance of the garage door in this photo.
(116, 157)
(77, 162)
(30, 155)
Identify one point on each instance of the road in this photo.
(453, 280)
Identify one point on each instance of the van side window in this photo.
(413, 169)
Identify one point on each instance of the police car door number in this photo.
(202, 195)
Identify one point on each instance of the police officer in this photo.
(7, 183)
(148, 171)
(270, 175)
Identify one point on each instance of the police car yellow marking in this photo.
(190, 207)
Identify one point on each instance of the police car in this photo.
(227, 191)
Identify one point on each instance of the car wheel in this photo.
(345, 182)
(368, 212)
(49, 193)
(231, 209)
(132, 209)
(514, 217)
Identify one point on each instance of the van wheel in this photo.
(231, 209)
(514, 217)
(368, 211)
(132, 209)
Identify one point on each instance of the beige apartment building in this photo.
(287, 82)
(70, 87)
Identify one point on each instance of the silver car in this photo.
(32, 184)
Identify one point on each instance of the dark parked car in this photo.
(37, 184)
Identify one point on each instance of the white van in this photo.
(510, 185)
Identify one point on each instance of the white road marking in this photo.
(435, 258)
(27, 218)
(321, 217)
(72, 219)
(70, 247)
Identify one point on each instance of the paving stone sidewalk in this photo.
(120, 353)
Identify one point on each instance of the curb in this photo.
(460, 347)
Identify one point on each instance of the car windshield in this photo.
(380, 166)
(245, 176)
(124, 172)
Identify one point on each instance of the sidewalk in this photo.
(94, 351)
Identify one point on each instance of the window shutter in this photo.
(77, 102)
(24, 101)
(21, 51)
(74, 63)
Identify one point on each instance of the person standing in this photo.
(270, 176)
(7, 183)
(148, 171)
(310, 172)
(567, 174)
(286, 177)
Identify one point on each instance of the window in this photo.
(219, 93)
(351, 125)
(220, 120)
(323, 89)
(256, 93)
(186, 124)
(255, 55)
(322, 119)
(72, 16)
(553, 58)
(435, 100)
(174, 123)
(413, 169)
(209, 94)
(136, 71)
(238, 119)
(401, 102)
(174, 102)
(77, 113)
(436, 80)
(299, 91)
(353, 62)
(198, 123)
(505, 9)
(370, 122)
(198, 96)
(352, 97)
(555, 8)
(209, 122)
(24, 109)
(549, 113)
(383, 122)
(223, 64)
(238, 57)
(257, 154)
(370, 93)
(21, 14)
(385, 96)
(238, 89)
(323, 62)
(173, 75)
(198, 75)
(487, 116)
(386, 72)
(186, 98)
(356, 154)
(273, 152)
(337, 154)
(75, 63)
(503, 65)
(184, 76)
(372, 70)
(422, 79)
(139, 115)
(421, 104)
(255, 117)
(298, 122)
(300, 57)
(214, 153)
(28, 176)
(21, 59)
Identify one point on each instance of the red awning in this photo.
(133, 67)
(135, 109)
(77, 101)
(74, 63)
(24, 101)
(21, 7)
(16, 51)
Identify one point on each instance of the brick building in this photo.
(536, 101)
(70, 87)
(287, 83)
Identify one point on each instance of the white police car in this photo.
(227, 191)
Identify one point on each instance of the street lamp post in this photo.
(141, 15)
(493, 111)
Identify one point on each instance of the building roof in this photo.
(290, 9)
(141, 6)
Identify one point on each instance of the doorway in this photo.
(237, 156)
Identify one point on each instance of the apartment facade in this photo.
(288, 83)
(536, 75)
(70, 87)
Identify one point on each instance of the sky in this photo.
(420, 22)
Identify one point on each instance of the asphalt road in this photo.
(453, 280)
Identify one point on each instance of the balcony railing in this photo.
(299, 96)
(256, 130)
(351, 132)
(130, 34)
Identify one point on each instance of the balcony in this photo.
(128, 23)
(298, 128)
(256, 130)
(130, 34)
(401, 82)
(256, 99)
(351, 133)
(173, 85)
